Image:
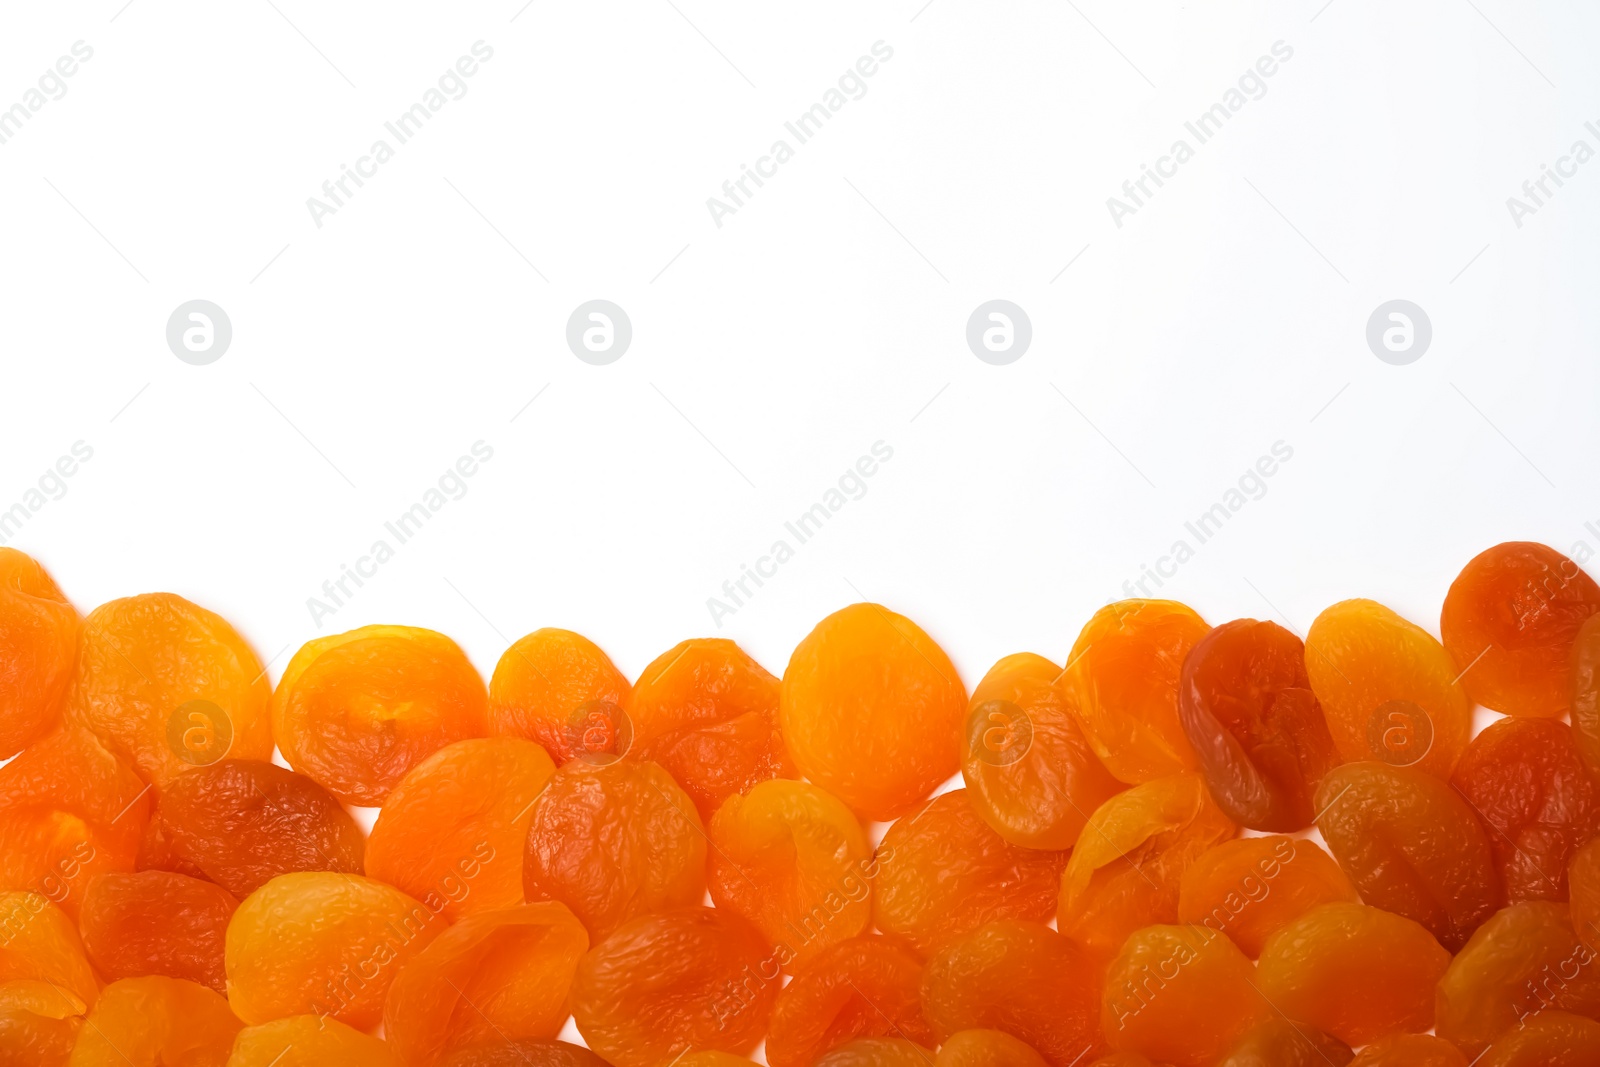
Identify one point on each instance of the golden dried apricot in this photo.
(529, 1053)
(322, 943)
(494, 975)
(794, 861)
(868, 986)
(943, 872)
(1029, 769)
(1277, 1042)
(155, 1021)
(1250, 887)
(169, 686)
(1388, 690)
(355, 711)
(1410, 1050)
(39, 944)
(708, 713)
(685, 978)
(308, 1041)
(156, 922)
(38, 649)
(871, 710)
(39, 1024)
(713, 1058)
(1125, 872)
(1356, 972)
(1554, 1039)
(1510, 621)
(557, 688)
(1583, 883)
(986, 1048)
(613, 841)
(454, 829)
(1183, 994)
(1021, 978)
(1122, 681)
(878, 1052)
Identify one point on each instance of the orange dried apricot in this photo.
(308, 1041)
(530, 1054)
(613, 841)
(241, 823)
(943, 872)
(868, 986)
(1554, 1039)
(557, 688)
(156, 922)
(1277, 1042)
(1029, 769)
(1122, 681)
(713, 1058)
(154, 1021)
(1411, 845)
(39, 1024)
(1388, 690)
(38, 649)
(708, 713)
(1410, 1050)
(1124, 1059)
(1356, 972)
(1183, 994)
(1250, 887)
(39, 944)
(322, 943)
(986, 1048)
(1125, 872)
(1510, 621)
(453, 831)
(1021, 978)
(878, 1052)
(793, 860)
(1583, 884)
(169, 686)
(685, 978)
(1586, 693)
(871, 710)
(495, 975)
(355, 711)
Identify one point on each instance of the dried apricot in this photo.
(1410, 1050)
(878, 1052)
(1255, 725)
(557, 688)
(156, 922)
(1554, 1039)
(1021, 978)
(943, 872)
(986, 1048)
(867, 986)
(1411, 845)
(1183, 994)
(708, 713)
(169, 686)
(614, 841)
(355, 711)
(1583, 883)
(713, 1058)
(871, 710)
(1353, 971)
(454, 829)
(1277, 1042)
(38, 649)
(794, 861)
(494, 975)
(685, 978)
(1510, 620)
(154, 1021)
(1124, 1059)
(308, 1041)
(1250, 887)
(1586, 693)
(1122, 680)
(39, 1024)
(528, 1054)
(1125, 872)
(241, 823)
(1388, 690)
(39, 944)
(1029, 769)
(322, 943)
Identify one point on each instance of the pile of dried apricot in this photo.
(1183, 845)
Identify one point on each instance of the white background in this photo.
(827, 314)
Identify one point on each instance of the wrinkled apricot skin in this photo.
(986, 1048)
(867, 986)
(38, 650)
(241, 823)
(37, 1026)
(318, 943)
(452, 832)
(1388, 690)
(495, 975)
(541, 687)
(1029, 769)
(686, 978)
(1125, 872)
(1251, 887)
(1277, 1042)
(943, 872)
(871, 709)
(150, 1022)
(1583, 883)
(530, 1054)
(1122, 680)
(1255, 725)
(878, 1052)
(794, 862)
(1021, 978)
(1411, 845)
(308, 1041)
(39, 944)
(142, 660)
(355, 711)
(612, 842)
(1586, 693)
(156, 922)
(1183, 994)
(1528, 785)
(1510, 620)
(1356, 972)
(1410, 1050)
(708, 713)
(1553, 1039)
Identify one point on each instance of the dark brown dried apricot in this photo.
(867, 986)
(38, 649)
(157, 922)
(1184, 994)
(155, 1021)
(557, 688)
(1250, 887)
